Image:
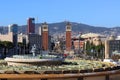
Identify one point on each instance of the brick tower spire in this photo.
(45, 36)
(68, 36)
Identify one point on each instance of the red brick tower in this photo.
(31, 25)
(45, 36)
(68, 37)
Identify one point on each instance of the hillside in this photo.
(76, 27)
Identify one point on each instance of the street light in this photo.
(79, 42)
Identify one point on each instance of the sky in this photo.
(103, 13)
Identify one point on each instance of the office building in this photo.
(35, 39)
(31, 25)
(111, 45)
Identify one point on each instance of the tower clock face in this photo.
(45, 28)
(68, 28)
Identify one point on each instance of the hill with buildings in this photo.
(76, 27)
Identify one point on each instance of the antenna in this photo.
(37, 19)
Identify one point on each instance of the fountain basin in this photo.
(38, 62)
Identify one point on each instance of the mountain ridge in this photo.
(59, 27)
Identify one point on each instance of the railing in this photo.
(106, 75)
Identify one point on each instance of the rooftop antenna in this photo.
(37, 19)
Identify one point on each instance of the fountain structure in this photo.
(34, 59)
(33, 50)
(52, 65)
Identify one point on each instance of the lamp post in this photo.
(79, 43)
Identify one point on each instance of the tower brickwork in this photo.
(68, 37)
(45, 36)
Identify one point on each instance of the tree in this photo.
(20, 47)
(89, 48)
(99, 51)
(94, 51)
(6, 45)
(52, 45)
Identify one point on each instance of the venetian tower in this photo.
(68, 36)
(45, 34)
